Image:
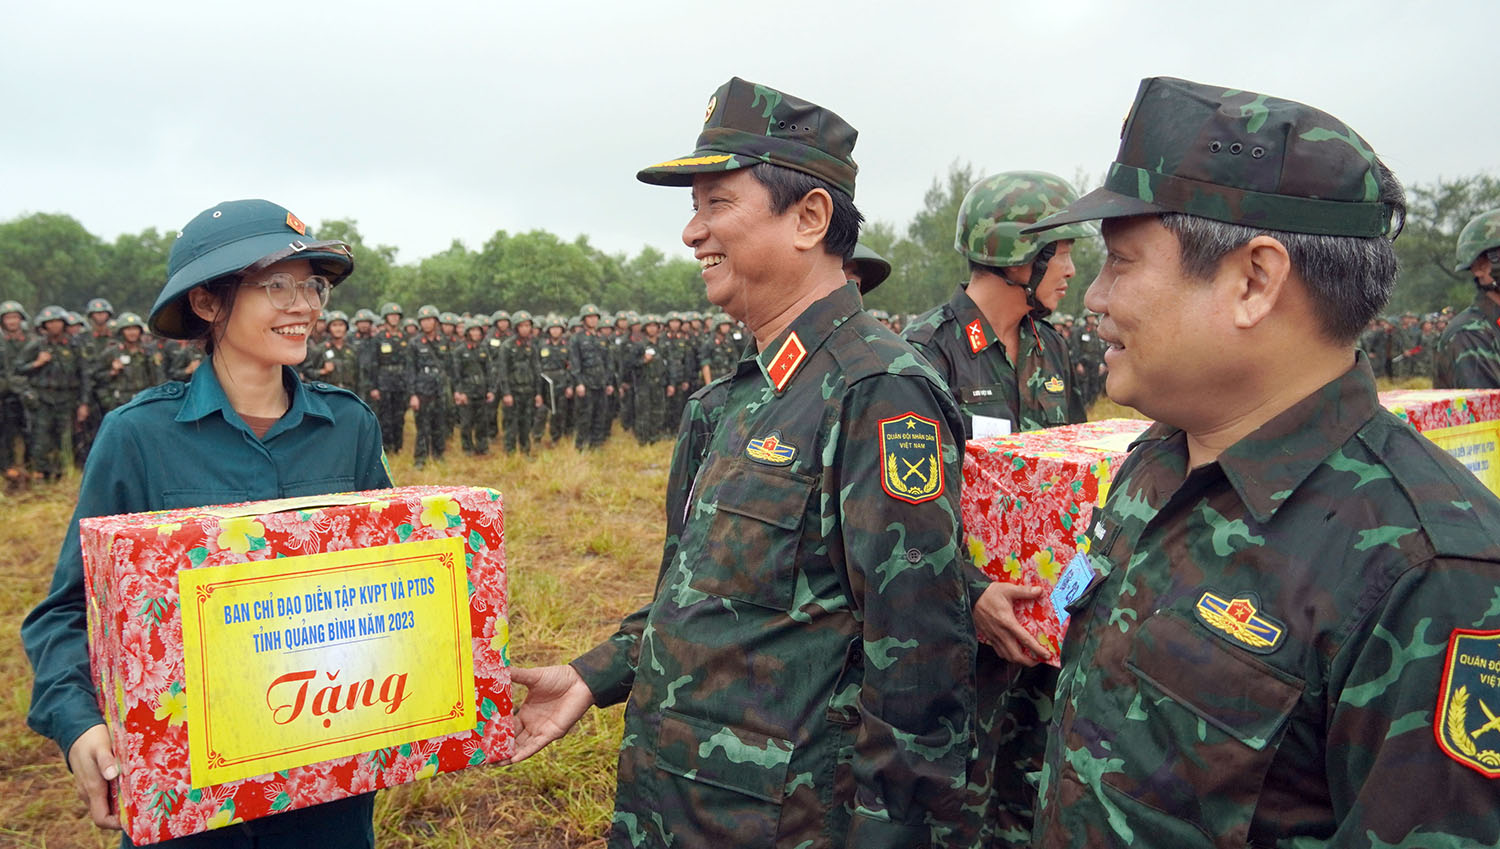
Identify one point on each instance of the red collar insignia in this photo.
(786, 361)
(977, 342)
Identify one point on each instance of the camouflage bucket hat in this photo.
(873, 268)
(993, 213)
(1241, 158)
(1479, 235)
(232, 237)
(747, 124)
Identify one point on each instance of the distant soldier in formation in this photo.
(589, 354)
(518, 375)
(97, 336)
(57, 390)
(721, 350)
(126, 366)
(1088, 365)
(557, 383)
(389, 367)
(649, 377)
(336, 361)
(474, 375)
(428, 356)
(13, 438)
(1468, 355)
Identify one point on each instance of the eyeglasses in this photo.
(283, 289)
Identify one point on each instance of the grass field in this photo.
(583, 538)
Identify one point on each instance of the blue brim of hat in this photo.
(1095, 206)
(169, 314)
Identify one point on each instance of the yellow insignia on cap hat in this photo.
(713, 103)
(694, 160)
(295, 223)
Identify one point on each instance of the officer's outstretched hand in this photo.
(556, 698)
(93, 765)
(995, 620)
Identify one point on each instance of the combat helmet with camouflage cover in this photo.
(365, 314)
(99, 305)
(1243, 158)
(499, 316)
(336, 315)
(520, 317)
(8, 307)
(1480, 235)
(129, 319)
(992, 221)
(390, 308)
(74, 319)
(588, 310)
(448, 317)
(429, 311)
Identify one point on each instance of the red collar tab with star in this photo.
(786, 361)
(977, 341)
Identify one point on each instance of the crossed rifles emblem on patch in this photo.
(1492, 725)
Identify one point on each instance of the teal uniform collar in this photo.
(205, 397)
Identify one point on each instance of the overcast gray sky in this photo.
(431, 122)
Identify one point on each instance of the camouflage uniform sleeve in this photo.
(1399, 696)
(609, 668)
(902, 559)
(1475, 361)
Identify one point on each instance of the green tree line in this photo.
(48, 258)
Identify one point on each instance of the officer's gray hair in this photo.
(1348, 278)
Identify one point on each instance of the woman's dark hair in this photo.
(224, 291)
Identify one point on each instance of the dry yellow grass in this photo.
(583, 540)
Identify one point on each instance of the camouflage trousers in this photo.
(492, 418)
(473, 433)
(650, 405)
(1014, 708)
(83, 438)
(12, 430)
(391, 410)
(520, 418)
(591, 419)
(431, 428)
(627, 407)
(51, 428)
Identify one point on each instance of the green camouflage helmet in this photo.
(409, 322)
(554, 320)
(473, 323)
(74, 319)
(747, 124)
(1241, 158)
(8, 307)
(99, 305)
(521, 317)
(993, 213)
(365, 314)
(1478, 236)
(389, 308)
(336, 315)
(500, 315)
(429, 311)
(51, 312)
(129, 319)
(449, 318)
(588, 309)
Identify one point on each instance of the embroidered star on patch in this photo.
(911, 449)
(771, 450)
(1240, 621)
(786, 361)
(977, 342)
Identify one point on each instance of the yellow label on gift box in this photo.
(302, 659)
(1474, 445)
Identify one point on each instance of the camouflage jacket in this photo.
(431, 366)
(1468, 354)
(1267, 655)
(804, 676)
(721, 353)
(386, 364)
(960, 344)
(345, 361)
(592, 363)
(518, 371)
(474, 368)
(64, 378)
(139, 369)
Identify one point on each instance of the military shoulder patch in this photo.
(1053, 384)
(977, 340)
(1471, 679)
(911, 451)
(771, 450)
(1240, 621)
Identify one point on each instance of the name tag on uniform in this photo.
(988, 426)
(1070, 585)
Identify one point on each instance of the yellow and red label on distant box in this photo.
(302, 659)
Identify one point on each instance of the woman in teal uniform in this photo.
(248, 279)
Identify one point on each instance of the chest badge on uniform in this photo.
(976, 337)
(1468, 709)
(911, 448)
(771, 450)
(1239, 620)
(1053, 384)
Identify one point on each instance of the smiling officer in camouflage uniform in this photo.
(805, 675)
(1291, 638)
(1468, 353)
(1005, 363)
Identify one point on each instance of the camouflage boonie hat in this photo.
(8, 307)
(1241, 158)
(747, 124)
(993, 213)
(873, 268)
(1478, 236)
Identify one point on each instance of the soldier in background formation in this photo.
(1468, 353)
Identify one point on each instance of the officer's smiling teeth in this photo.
(710, 260)
(291, 330)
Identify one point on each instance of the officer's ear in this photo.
(814, 213)
(1259, 272)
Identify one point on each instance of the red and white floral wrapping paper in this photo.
(1432, 409)
(136, 648)
(1027, 502)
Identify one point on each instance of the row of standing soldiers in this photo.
(59, 376)
(1405, 347)
(464, 374)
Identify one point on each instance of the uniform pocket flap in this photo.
(773, 496)
(1229, 689)
(733, 758)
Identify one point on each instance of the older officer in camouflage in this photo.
(1468, 353)
(804, 676)
(1292, 633)
(1008, 370)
